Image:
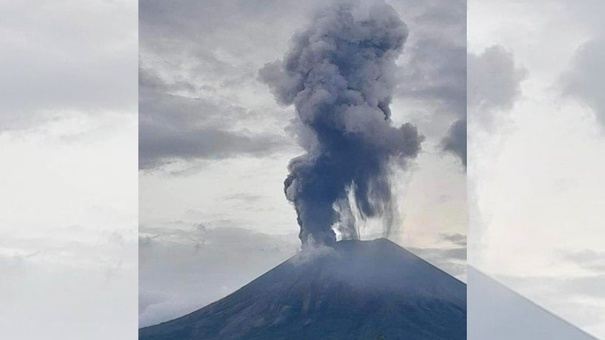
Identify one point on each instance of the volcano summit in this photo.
(353, 290)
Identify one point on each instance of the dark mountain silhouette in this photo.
(355, 290)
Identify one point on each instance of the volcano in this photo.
(352, 290)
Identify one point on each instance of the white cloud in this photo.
(69, 176)
(535, 175)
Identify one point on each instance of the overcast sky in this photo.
(537, 136)
(68, 138)
(214, 145)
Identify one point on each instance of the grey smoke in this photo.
(340, 76)
(494, 83)
(435, 69)
(586, 78)
(455, 141)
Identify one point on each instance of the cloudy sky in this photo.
(214, 145)
(68, 143)
(536, 141)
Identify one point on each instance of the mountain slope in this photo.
(357, 290)
(498, 313)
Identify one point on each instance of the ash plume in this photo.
(340, 76)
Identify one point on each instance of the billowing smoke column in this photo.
(340, 76)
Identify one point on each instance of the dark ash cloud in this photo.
(339, 75)
(433, 72)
